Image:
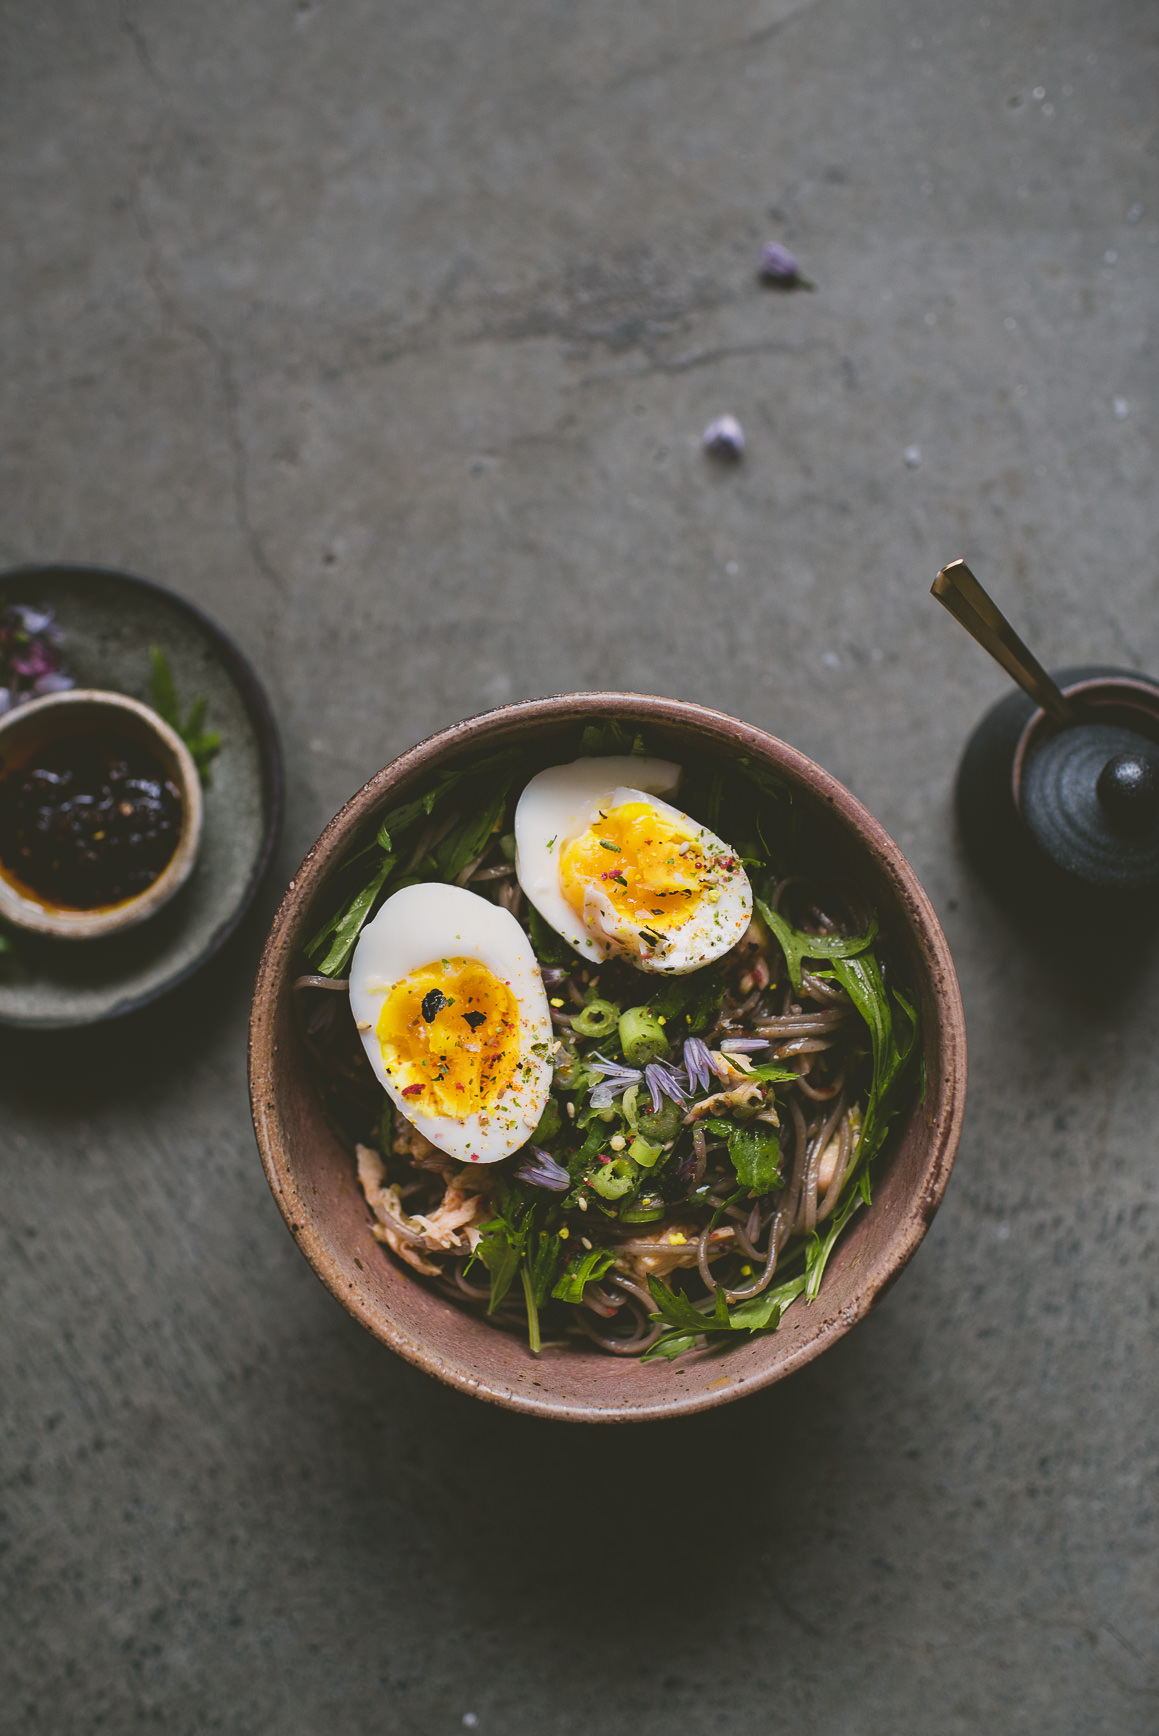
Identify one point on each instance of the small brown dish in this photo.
(313, 1177)
(77, 728)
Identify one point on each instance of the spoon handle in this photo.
(958, 590)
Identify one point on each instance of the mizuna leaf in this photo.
(797, 945)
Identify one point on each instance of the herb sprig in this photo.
(204, 744)
(410, 846)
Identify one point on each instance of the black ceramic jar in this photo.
(1067, 816)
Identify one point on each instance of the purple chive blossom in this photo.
(663, 1081)
(724, 438)
(744, 1045)
(541, 1170)
(616, 1079)
(698, 1063)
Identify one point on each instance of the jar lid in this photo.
(1090, 796)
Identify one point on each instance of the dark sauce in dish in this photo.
(92, 820)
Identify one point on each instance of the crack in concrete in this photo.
(171, 306)
(685, 364)
(705, 50)
(617, 311)
(131, 29)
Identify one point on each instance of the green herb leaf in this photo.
(347, 926)
(755, 1154)
(548, 1124)
(465, 840)
(690, 1003)
(797, 945)
(550, 947)
(606, 737)
(675, 1309)
(398, 823)
(196, 717)
(671, 1346)
(719, 1127)
(469, 838)
(687, 1324)
(672, 997)
(893, 1031)
(204, 748)
(163, 693)
(500, 1253)
(503, 1241)
(203, 745)
(821, 1245)
(763, 1313)
(543, 1264)
(733, 1199)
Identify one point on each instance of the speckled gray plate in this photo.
(109, 621)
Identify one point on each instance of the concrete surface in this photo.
(386, 333)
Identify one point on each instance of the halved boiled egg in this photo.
(449, 1003)
(618, 871)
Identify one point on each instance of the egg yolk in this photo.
(450, 1037)
(653, 872)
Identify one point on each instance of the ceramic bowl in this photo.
(313, 1177)
(30, 728)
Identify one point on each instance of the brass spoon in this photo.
(958, 590)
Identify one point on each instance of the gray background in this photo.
(386, 333)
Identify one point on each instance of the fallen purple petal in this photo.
(724, 438)
(778, 264)
(53, 683)
(744, 1045)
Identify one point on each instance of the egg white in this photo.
(416, 927)
(560, 804)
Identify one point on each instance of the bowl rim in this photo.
(944, 1118)
(63, 923)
